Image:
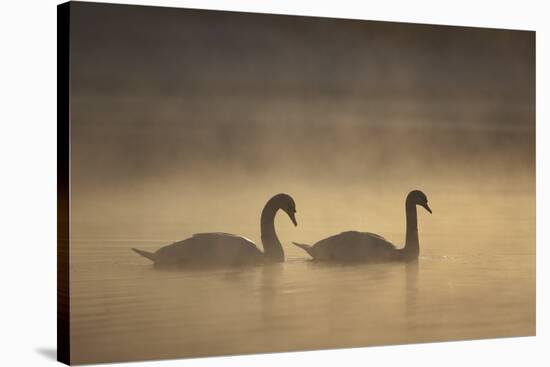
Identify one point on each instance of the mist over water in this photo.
(187, 121)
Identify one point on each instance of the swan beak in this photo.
(293, 218)
(428, 208)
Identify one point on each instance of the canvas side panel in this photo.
(63, 184)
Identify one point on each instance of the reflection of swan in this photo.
(229, 249)
(365, 246)
(411, 288)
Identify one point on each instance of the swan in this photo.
(228, 249)
(369, 247)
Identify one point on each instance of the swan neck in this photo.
(411, 241)
(273, 250)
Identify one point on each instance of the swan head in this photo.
(417, 197)
(286, 204)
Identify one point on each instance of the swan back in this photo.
(210, 248)
(354, 246)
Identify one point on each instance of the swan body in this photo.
(351, 246)
(219, 248)
(354, 246)
(207, 248)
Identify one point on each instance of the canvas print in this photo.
(235, 183)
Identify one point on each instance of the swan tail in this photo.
(151, 256)
(306, 248)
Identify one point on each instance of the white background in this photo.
(28, 182)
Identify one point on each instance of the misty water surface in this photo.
(475, 278)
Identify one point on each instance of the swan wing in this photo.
(224, 237)
(374, 235)
(354, 246)
(210, 248)
(355, 237)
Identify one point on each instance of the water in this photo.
(467, 284)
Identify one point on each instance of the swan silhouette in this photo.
(228, 249)
(369, 247)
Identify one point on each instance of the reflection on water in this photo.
(124, 309)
